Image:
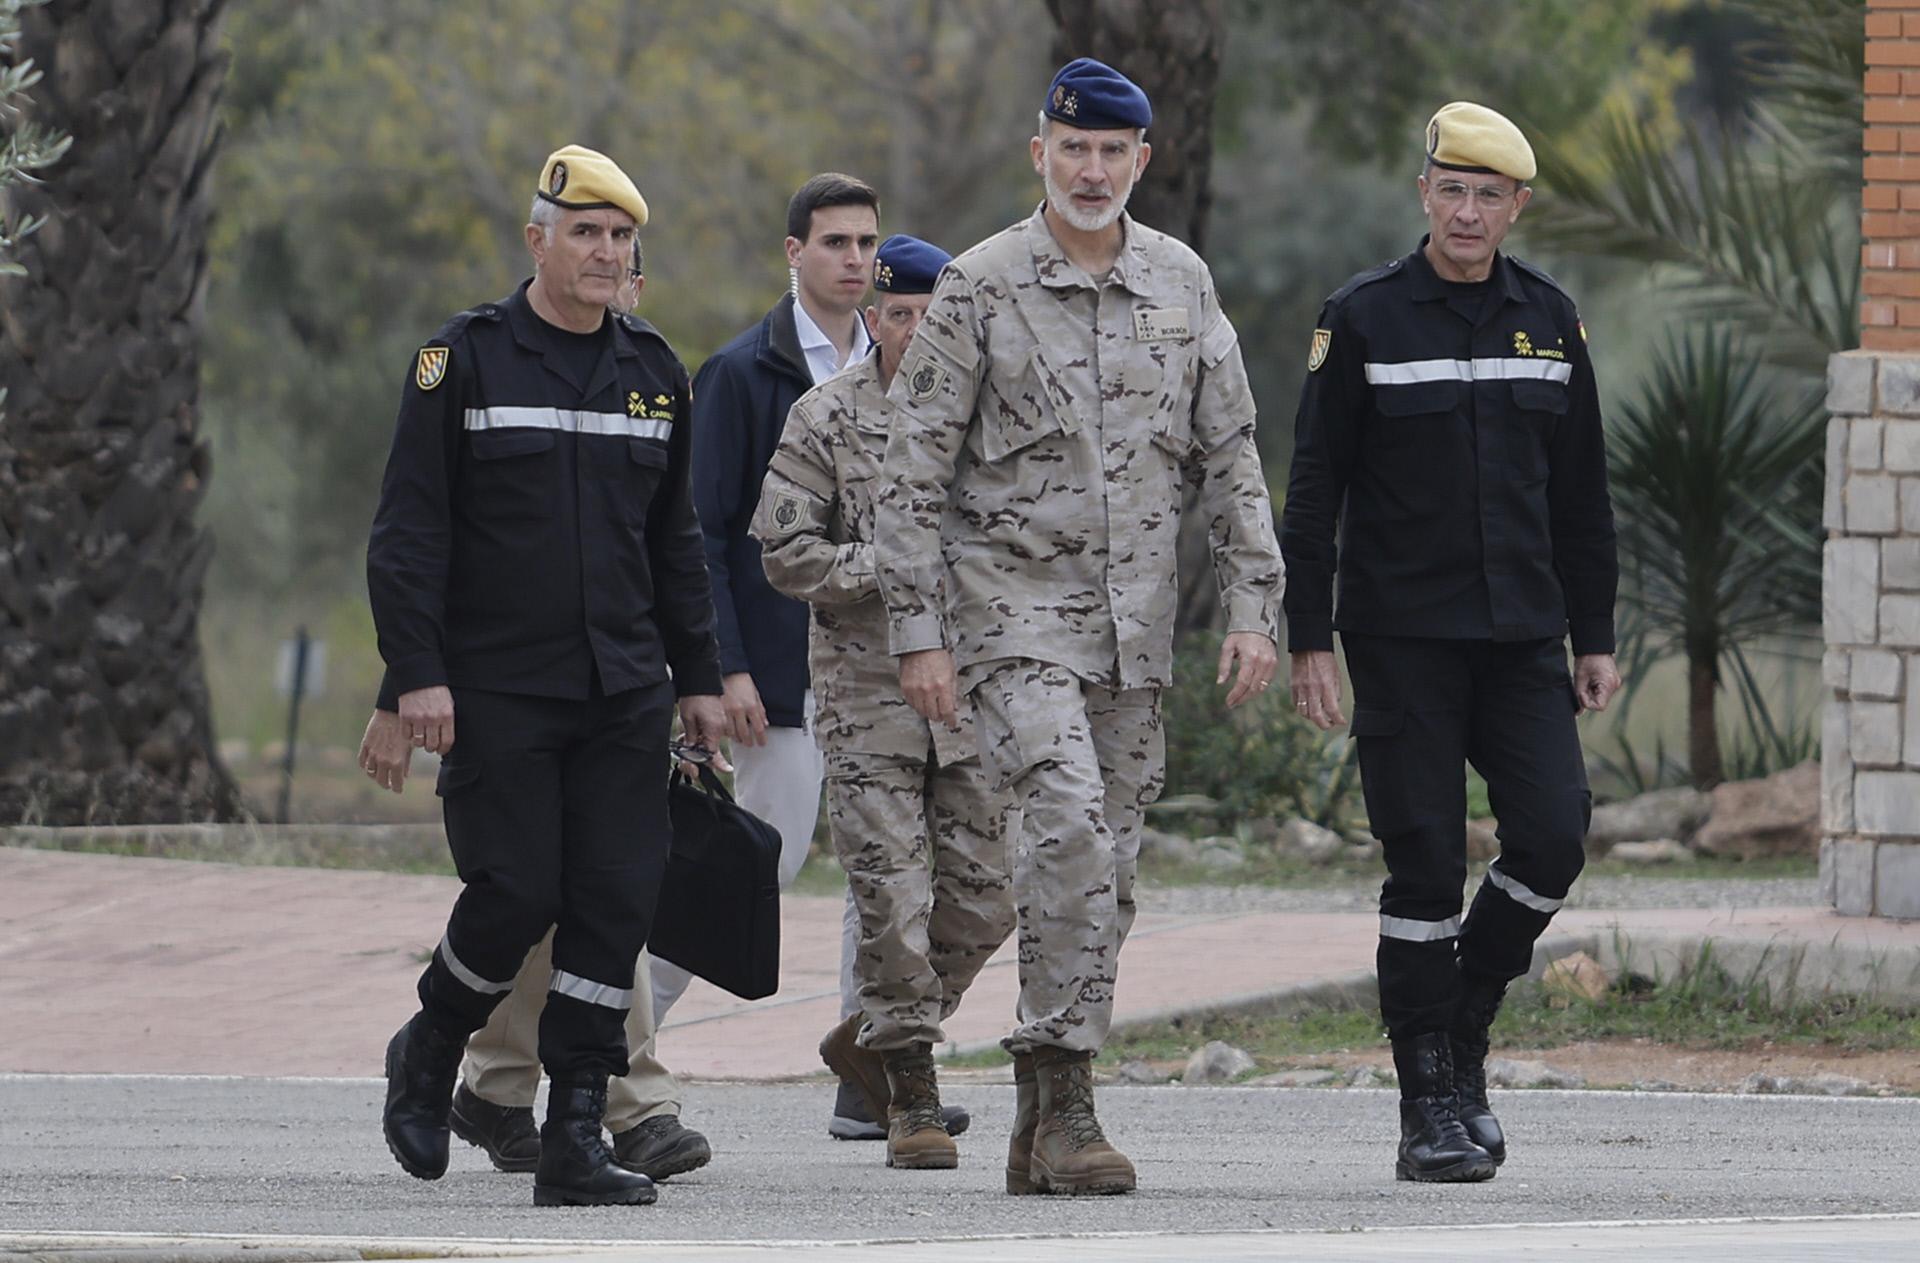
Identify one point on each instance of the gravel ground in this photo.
(1607, 891)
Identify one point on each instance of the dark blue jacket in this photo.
(740, 400)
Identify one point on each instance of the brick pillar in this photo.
(1870, 729)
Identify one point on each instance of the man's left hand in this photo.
(1595, 680)
(1258, 660)
(385, 753)
(703, 722)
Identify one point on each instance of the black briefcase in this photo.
(719, 910)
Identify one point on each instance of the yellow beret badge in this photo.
(1317, 353)
(431, 368)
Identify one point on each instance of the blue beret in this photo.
(907, 265)
(1091, 94)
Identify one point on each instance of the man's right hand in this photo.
(746, 716)
(426, 718)
(927, 678)
(384, 752)
(1315, 679)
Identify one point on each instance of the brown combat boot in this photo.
(916, 1133)
(1070, 1152)
(859, 1068)
(1026, 1113)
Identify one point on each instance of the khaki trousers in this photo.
(503, 1064)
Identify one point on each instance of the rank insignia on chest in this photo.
(1522, 344)
(636, 406)
(786, 511)
(925, 381)
(431, 368)
(1157, 324)
(1317, 352)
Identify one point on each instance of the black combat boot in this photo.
(1479, 1002)
(576, 1166)
(506, 1132)
(422, 1062)
(1434, 1147)
(661, 1146)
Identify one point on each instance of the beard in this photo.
(1085, 221)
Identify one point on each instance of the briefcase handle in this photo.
(709, 780)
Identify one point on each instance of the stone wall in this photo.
(1870, 732)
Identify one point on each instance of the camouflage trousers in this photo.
(1079, 762)
(925, 853)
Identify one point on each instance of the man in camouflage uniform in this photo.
(915, 823)
(1071, 375)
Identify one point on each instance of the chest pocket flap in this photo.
(1031, 407)
(648, 453)
(1416, 399)
(1540, 396)
(499, 444)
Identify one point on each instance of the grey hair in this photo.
(1046, 126)
(545, 216)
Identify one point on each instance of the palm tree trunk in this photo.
(1703, 739)
(1173, 52)
(103, 704)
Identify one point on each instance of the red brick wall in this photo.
(1890, 199)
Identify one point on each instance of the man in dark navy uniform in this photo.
(536, 571)
(1449, 467)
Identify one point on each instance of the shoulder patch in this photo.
(430, 367)
(926, 380)
(786, 511)
(1317, 353)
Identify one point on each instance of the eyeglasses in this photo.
(1485, 196)
(634, 269)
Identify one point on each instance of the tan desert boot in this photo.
(1026, 1112)
(1070, 1152)
(858, 1067)
(916, 1133)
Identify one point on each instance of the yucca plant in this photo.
(1714, 467)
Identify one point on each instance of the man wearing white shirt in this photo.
(740, 400)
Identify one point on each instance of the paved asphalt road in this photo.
(273, 1159)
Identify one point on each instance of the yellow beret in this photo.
(579, 178)
(1463, 136)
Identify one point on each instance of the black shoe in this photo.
(576, 1167)
(852, 1120)
(1479, 1003)
(660, 1146)
(422, 1061)
(1434, 1147)
(506, 1132)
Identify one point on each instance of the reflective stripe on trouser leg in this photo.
(615, 844)
(1502, 925)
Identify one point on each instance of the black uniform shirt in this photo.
(1453, 435)
(536, 524)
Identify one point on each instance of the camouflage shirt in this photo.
(1047, 426)
(815, 526)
